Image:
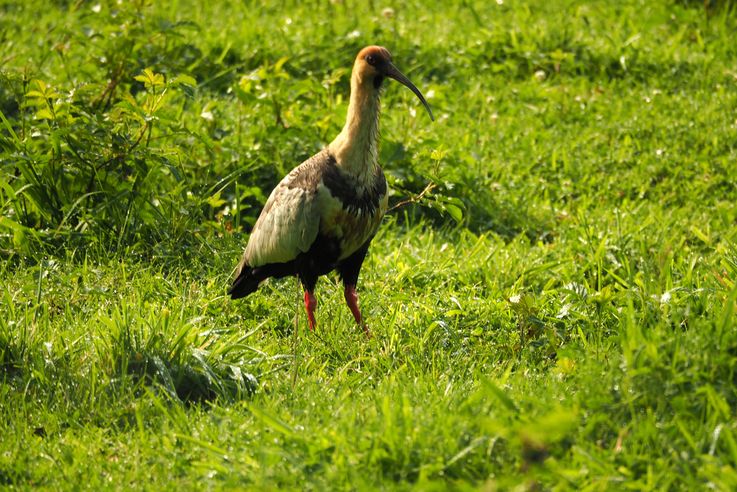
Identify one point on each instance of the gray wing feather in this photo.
(287, 226)
(290, 219)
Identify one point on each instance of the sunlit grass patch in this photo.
(556, 311)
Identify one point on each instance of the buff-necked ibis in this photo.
(325, 212)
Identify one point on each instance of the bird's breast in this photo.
(352, 211)
(352, 228)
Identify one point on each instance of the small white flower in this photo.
(564, 310)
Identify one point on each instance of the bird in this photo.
(324, 213)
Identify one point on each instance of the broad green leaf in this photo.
(184, 80)
(455, 212)
(44, 114)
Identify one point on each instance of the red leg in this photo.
(310, 306)
(351, 298)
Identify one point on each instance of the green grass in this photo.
(559, 313)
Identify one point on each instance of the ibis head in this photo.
(374, 63)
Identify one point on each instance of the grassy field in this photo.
(559, 313)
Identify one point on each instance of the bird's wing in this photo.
(290, 219)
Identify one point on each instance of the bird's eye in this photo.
(371, 59)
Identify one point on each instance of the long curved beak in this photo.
(393, 72)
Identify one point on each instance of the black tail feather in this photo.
(249, 278)
(245, 283)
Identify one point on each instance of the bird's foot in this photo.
(310, 306)
(351, 298)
